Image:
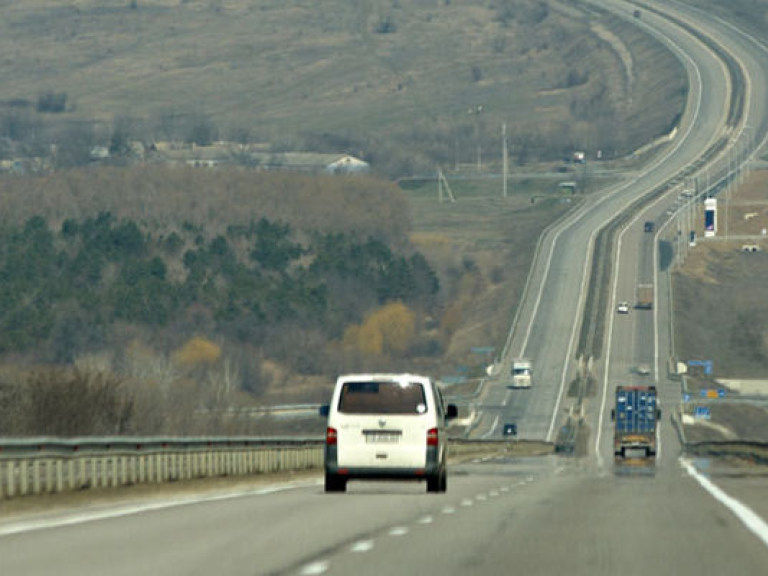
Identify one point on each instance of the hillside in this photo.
(721, 312)
(169, 290)
(405, 84)
(235, 290)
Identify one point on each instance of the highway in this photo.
(548, 515)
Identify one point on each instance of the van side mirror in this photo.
(324, 410)
(451, 411)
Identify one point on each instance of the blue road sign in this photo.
(706, 364)
(702, 413)
(487, 350)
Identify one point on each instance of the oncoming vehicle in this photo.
(386, 427)
(522, 373)
(623, 308)
(643, 369)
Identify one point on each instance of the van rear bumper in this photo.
(381, 473)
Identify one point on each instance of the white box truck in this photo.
(522, 373)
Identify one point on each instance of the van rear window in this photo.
(382, 398)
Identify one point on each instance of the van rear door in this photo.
(383, 424)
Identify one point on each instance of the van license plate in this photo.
(382, 438)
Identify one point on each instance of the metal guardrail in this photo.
(52, 465)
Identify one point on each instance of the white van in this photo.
(386, 426)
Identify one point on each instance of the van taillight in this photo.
(432, 437)
(330, 436)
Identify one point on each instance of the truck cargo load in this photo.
(522, 373)
(644, 296)
(636, 416)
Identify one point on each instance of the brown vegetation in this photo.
(165, 198)
(721, 313)
(391, 83)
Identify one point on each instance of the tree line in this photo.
(64, 289)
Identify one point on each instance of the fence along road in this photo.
(54, 465)
(48, 465)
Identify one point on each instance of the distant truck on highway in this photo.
(635, 416)
(522, 373)
(644, 296)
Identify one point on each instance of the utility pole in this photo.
(504, 157)
(442, 184)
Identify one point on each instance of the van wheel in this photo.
(335, 484)
(438, 482)
(433, 483)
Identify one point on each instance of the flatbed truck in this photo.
(644, 295)
(635, 416)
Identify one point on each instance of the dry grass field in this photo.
(721, 312)
(486, 244)
(405, 83)
(721, 309)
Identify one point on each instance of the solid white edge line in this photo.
(71, 519)
(749, 518)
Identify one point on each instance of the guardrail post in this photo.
(24, 477)
(71, 474)
(11, 476)
(159, 468)
(133, 462)
(142, 468)
(48, 463)
(36, 477)
(115, 479)
(59, 475)
(81, 476)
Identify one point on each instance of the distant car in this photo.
(649, 226)
(643, 369)
(510, 429)
(623, 308)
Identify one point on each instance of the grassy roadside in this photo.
(721, 313)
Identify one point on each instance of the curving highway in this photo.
(553, 515)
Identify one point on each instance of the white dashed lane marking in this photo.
(362, 546)
(315, 568)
